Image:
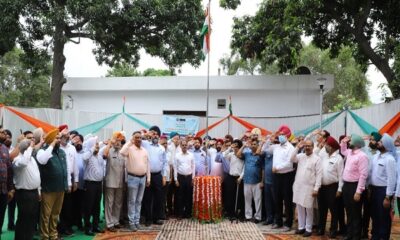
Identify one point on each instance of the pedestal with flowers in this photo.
(207, 204)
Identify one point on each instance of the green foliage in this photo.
(168, 29)
(273, 34)
(350, 87)
(127, 70)
(122, 70)
(269, 36)
(24, 82)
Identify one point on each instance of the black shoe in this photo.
(147, 224)
(11, 227)
(158, 222)
(89, 233)
(266, 223)
(298, 231)
(97, 230)
(307, 234)
(256, 221)
(332, 234)
(320, 233)
(276, 226)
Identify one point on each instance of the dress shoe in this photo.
(332, 234)
(89, 233)
(147, 224)
(138, 226)
(276, 226)
(158, 222)
(256, 221)
(298, 231)
(320, 233)
(266, 223)
(133, 228)
(11, 227)
(118, 226)
(112, 229)
(97, 230)
(307, 234)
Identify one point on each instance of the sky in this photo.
(82, 63)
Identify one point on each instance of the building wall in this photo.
(252, 103)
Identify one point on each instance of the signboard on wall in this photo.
(181, 124)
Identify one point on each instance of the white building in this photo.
(252, 96)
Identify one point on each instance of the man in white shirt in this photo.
(184, 173)
(331, 188)
(27, 183)
(306, 185)
(283, 171)
(172, 149)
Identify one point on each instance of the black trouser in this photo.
(339, 207)
(28, 205)
(92, 203)
(11, 213)
(326, 200)
(164, 201)
(152, 198)
(231, 189)
(366, 215)
(78, 207)
(185, 196)
(269, 202)
(66, 214)
(381, 219)
(353, 210)
(224, 194)
(283, 188)
(3, 207)
(172, 200)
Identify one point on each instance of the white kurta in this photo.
(308, 178)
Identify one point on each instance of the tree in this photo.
(164, 28)
(350, 87)
(126, 70)
(24, 82)
(331, 23)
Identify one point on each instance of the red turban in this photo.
(285, 130)
(332, 143)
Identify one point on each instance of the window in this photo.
(221, 103)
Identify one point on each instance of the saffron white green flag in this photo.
(206, 32)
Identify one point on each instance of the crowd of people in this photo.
(58, 179)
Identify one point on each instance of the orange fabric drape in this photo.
(35, 122)
(203, 131)
(391, 126)
(250, 126)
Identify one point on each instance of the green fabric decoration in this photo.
(365, 126)
(145, 125)
(96, 126)
(315, 126)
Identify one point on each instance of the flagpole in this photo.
(208, 168)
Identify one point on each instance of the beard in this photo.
(381, 148)
(2, 140)
(78, 147)
(7, 143)
(373, 146)
(218, 149)
(197, 147)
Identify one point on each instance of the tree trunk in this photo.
(379, 62)
(58, 79)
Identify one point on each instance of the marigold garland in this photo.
(207, 199)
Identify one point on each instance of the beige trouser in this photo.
(50, 209)
(113, 206)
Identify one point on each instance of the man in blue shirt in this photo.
(153, 194)
(252, 176)
(200, 158)
(269, 200)
(382, 186)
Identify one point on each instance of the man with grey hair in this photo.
(27, 183)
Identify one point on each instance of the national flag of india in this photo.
(206, 32)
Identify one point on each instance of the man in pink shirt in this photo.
(138, 169)
(354, 177)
